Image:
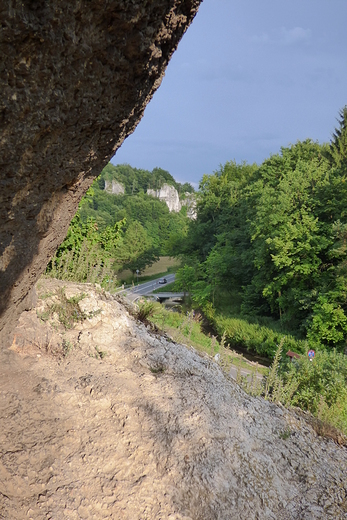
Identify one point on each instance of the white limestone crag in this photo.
(169, 195)
(190, 202)
(114, 187)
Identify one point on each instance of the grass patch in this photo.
(46, 295)
(157, 370)
(165, 265)
(100, 354)
(258, 335)
(146, 310)
(67, 347)
(187, 329)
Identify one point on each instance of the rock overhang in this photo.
(75, 78)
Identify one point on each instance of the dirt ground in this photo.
(102, 419)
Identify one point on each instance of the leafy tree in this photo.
(80, 233)
(136, 250)
(275, 238)
(185, 278)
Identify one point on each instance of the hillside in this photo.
(136, 180)
(148, 226)
(103, 418)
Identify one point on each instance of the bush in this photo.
(83, 265)
(318, 386)
(322, 384)
(252, 336)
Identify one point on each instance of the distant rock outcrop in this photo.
(114, 187)
(190, 202)
(75, 78)
(169, 195)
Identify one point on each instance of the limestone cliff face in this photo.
(75, 77)
(169, 195)
(190, 202)
(114, 187)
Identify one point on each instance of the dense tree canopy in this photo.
(275, 237)
(136, 180)
(132, 229)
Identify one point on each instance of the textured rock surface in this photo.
(75, 77)
(169, 195)
(114, 187)
(150, 431)
(190, 202)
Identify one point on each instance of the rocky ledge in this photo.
(101, 417)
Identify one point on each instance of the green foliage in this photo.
(329, 323)
(67, 347)
(184, 328)
(146, 310)
(85, 265)
(136, 251)
(163, 229)
(276, 237)
(338, 147)
(323, 378)
(86, 255)
(137, 180)
(113, 233)
(185, 278)
(256, 337)
(275, 388)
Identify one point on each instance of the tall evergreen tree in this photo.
(338, 146)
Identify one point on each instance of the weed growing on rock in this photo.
(67, 310)
(157, 369)
(146, 309)
(43, 316)
(100, 354)
(285, 434)
(67, 347)
(46, 295)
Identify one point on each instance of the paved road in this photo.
(146, 288)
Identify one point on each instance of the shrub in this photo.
(83, 265)
(252, 336)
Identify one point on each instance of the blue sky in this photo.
(248, 77)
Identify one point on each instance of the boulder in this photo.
(75, 78)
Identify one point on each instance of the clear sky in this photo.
(248, 77)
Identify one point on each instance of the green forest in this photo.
(264, 261)
(269, 243)
(111, 233)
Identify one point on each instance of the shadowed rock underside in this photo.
(75, 78)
